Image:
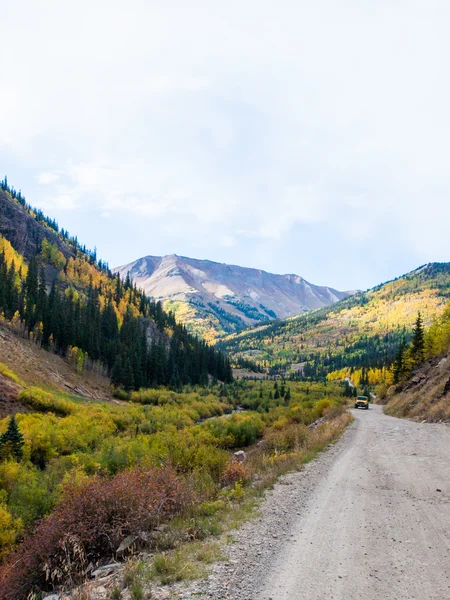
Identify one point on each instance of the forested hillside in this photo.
(362, 331)
(57, 293)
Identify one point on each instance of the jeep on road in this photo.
(362, 402)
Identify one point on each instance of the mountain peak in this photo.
(214, 298)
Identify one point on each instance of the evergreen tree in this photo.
(418, 340)
(42, 298)
(11, 442)
(11, 292)
(31, 294)
(398, 367)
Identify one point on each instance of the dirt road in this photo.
(371, 519)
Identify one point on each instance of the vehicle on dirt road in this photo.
(362, 402)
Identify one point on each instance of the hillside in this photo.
(421, 374)
(58, 295)
(364, 330)
(213, 298)
(35, 366)
(425, 395)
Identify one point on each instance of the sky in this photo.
(292, 136)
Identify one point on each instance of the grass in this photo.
(176, 566)
(187, 562)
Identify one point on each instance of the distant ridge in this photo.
(214, 298)
(362, 331)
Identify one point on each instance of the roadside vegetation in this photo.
(85, 475)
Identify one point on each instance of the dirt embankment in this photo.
(9, 403)
(38, 367)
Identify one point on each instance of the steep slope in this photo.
(214, 297)
(426, 395)
(364, 330)
(421, 374)
(35, 366)
(56, 293)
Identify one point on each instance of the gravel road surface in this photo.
(370, 518)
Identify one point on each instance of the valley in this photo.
(224, 301)
(135, 427)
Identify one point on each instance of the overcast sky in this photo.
(294, 136)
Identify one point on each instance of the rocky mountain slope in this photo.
(425, 395)
(364, 330)
(214, 298)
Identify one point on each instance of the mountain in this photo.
(213, 298)
(364, 330)
(56, 293)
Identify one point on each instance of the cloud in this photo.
(47, 178)
(62, 202)
(234, 125)
(227, 241)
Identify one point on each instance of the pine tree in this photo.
(418, 340)
(398, 363)
(11, 442)
(116, 372)
(11, 292)
(31, 294)
(42, 298)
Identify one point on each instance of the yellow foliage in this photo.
(375, 376)
(51, 254)
(437, 336)
(11, 255)
(7, 372)
(10, 529)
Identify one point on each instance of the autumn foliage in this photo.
(235, 472)
(90, 522)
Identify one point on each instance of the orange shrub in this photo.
(234, 472)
